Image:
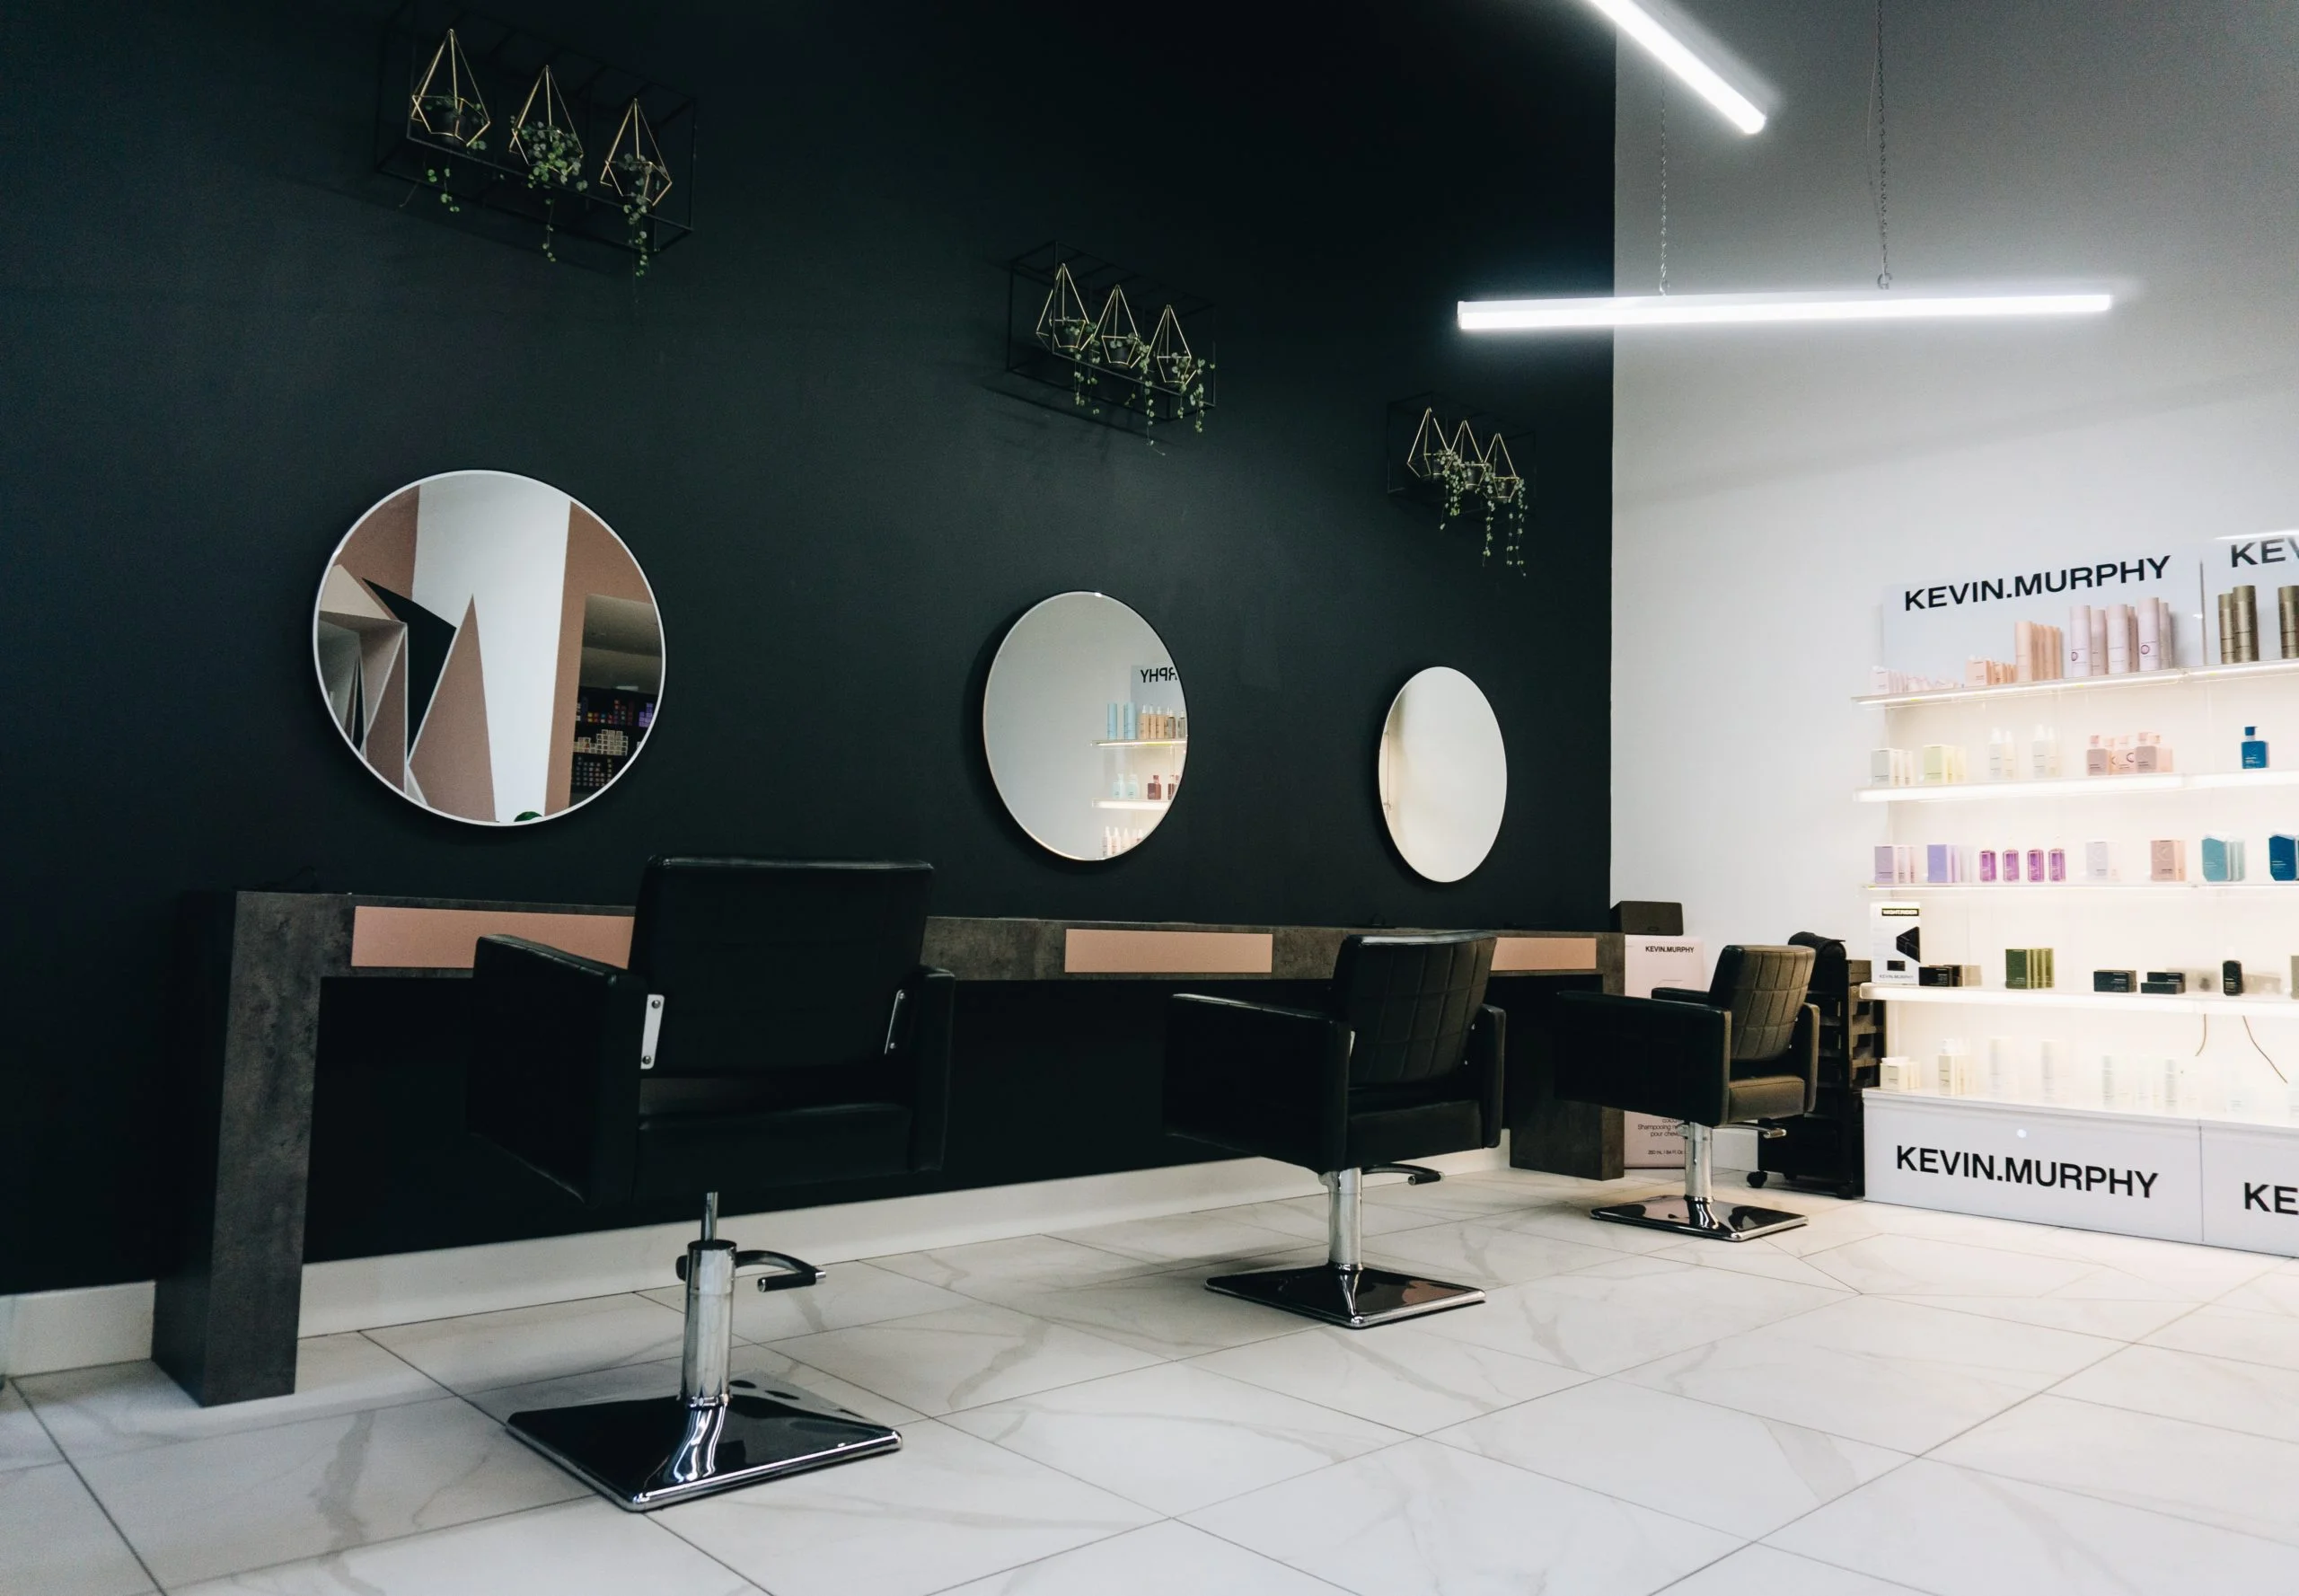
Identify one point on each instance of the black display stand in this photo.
(1826, 1147)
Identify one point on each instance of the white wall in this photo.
(1770, 482)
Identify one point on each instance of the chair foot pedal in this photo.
(1710, 1219)
(1355, 1299)
(655, 1451)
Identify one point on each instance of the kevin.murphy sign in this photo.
(1933, 625)
(2139, 1177)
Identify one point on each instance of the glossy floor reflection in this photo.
(1886, 1400)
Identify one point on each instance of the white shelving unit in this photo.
(2084, 1159)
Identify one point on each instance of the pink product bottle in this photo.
(2059, 864)
(2035, 864)
(2011, 864)
(1987, 864)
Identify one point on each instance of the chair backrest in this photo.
(1409, 1001)
(1763, 988)
(767, 964)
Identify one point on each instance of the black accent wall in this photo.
(222, 339)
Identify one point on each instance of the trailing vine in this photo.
(554, 161)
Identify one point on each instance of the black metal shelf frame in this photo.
(491, 183)
(1501, 445)
(1108, 344)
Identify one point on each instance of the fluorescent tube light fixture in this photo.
(1664, 47)
(1695, 310)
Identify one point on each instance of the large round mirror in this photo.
(489, 647)
(1085, 724)
(1444, 775)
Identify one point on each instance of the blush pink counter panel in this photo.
(1166, 953)
(398, 939)
(1515, 956)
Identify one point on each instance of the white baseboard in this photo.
(43, 1331)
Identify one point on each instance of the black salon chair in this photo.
(1746, 1049)
(1404, 1061)
(775, 1027)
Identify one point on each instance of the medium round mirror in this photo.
(1444, 775)
(489, 647)
(1085, 724)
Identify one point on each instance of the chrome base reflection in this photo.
(1352, 1296)
(1701, 1216)
(656, 1450)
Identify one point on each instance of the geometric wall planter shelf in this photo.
(520, 138)
(1093, 339)
(1463, 468)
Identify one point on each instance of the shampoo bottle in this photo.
(2254, 749)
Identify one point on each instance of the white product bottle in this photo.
(2044, 754)
(2051, 1073)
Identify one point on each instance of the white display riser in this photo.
(2221, 1182)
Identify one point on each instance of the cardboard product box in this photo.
(1895, 943)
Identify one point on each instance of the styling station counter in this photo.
(318, 1070)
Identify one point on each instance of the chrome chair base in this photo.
(1350, 1297)
(1701, 1216)
(655, 1451)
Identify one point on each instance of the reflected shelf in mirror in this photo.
(1080, 662)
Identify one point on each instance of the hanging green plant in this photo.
(544, 137)
(1504, 494)
(635, 170)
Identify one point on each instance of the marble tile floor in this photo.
(1887, 1400)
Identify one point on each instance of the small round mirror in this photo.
(489, 649)
(1444, 775)
(1085, 726)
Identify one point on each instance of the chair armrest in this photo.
(1646, 1055)
(554, 1070)
(929, 1002)
(1684, 994)
(1488, 1056)
(1258, 1079)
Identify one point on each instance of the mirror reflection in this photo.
(1085, 725)
(489, 647)
(1444, 775)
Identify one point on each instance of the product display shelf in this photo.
(2128, 1003)
(1133, 803)
(2059, 787)
(2204, 673)
(1140, 742)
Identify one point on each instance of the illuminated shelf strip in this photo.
(1996, 1108)
(2010, 890)
(1133, 803)
(1142, 743)
(2193, 673)
(1991, 997)
(2072, 787)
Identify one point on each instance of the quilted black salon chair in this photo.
(1404, 1061)
(1746, 1049)
(775, 1027)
